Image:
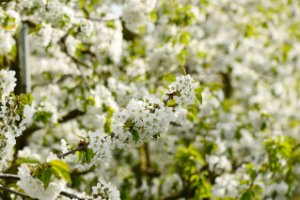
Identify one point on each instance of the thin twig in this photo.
(79, 148)
(83, 145)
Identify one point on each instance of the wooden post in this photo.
(20, 65)
(23, 56)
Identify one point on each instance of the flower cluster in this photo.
(101, 145)
(99, 72)
(135, 13)
(182, 90)
(35, 187)
(7, 83)
(226, 185)
(142, 120)
(105, 191)
(13, 116)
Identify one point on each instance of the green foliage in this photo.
(61, 169)
(46, 177)
(278, 148)
(28, 160)
(191, 166)
(135, 134)
(198, 92)
(42, 116)
(109, 113)
(85, 156)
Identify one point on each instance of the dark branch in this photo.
(66, 194)
(15, 192)
(22, 140)
(16, 177)
(71, 115)
(4, 1)
(9, 176)
(79, 148)
(83, 145)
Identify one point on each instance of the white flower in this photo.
(28, 113)
(26, 152)
(35, 187)
(105, 191)
(135, 13)
(101, 145)
(142, 120)
(72, 44)
(226, 186)
(137, 68)
(183, 90)
(59, 14)
(278, 189)
(7, 82)
(110, 44)
(7, 143)
(44, 34)
(86, 27)
(164, 57)
(7, 42)
(218, 163)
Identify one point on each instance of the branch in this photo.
(227, 85)
(16, 177)
(4, 1)
(71, 115)
(72, 196)
(31, 129)
(9, 176)
(15, 192)
(81, 147)
(63, 48)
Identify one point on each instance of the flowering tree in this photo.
(146, 99)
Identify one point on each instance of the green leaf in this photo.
(135, 134)
(89, 155)
(153, 16)
(198, 92)
(46, 177)
(246, 196)
(27, 160)
(62, 174)
(185, 38)
(26, 98)
(169, 78)
(86, 156)
(110, 111)
(128, 123)
(61, 169)
(60, 165)
(42, 116)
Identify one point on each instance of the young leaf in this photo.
(61, 169)
(135, 134)
(46, 177)
(198, 92)
(60, 165)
